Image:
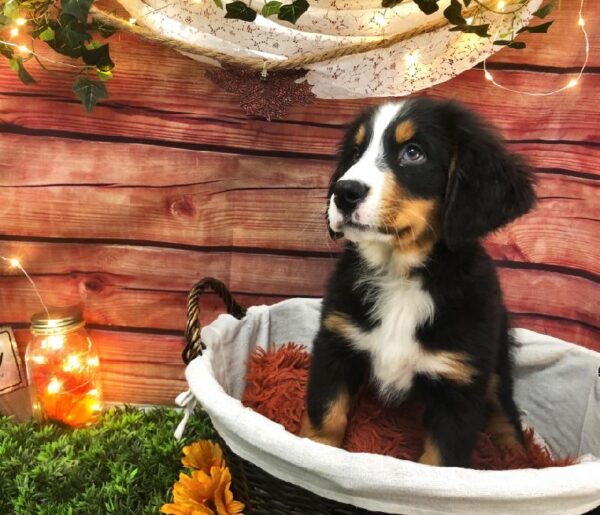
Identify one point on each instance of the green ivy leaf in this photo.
(17, 65)
(517, 45)
(502, 42)
(89, 92)
(11, 9)
(390, 3)
(453, 13)
(218, 3)
(79, 9)
(104, 30)
(271, 8)
(47, 34)
(97, 56)
(544, 11)
(291, 12)
(467, 2)
(69, 36)
(480, 30)
(427, 6)
(6, 51)
(240, 11)
(5, 21)
(541, 28)
(104, 76)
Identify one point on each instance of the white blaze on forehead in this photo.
(366, 169)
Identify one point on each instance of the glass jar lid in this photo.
(57, 321)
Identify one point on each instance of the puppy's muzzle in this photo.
(348, 195)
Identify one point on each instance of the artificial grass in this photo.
(126, 464)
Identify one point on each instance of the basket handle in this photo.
(194, 345)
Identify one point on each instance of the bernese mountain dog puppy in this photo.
(414, 302)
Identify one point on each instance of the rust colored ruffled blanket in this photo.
(275, 386)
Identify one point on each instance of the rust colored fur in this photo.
(276, 384)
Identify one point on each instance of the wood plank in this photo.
(175, 270)
(73, 162)
(212, 120)
(136, 367)
(149, 299)
(551, 294)
(561, 231)
(216, 214)
(567, 330)
(108, 302)
(561, 156)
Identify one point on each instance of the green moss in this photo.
(126, 464)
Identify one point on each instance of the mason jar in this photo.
(63, 369)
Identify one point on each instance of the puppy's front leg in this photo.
(335, 374)
(453, 419)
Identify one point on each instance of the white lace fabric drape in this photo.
(433, 57)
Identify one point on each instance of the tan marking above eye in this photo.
(359, 137)
(404, 131)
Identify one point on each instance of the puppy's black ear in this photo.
(488, 186)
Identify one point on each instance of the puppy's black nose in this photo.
(348, 194)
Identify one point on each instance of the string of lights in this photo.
(570, 84)
(15, 263)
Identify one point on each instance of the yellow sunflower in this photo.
(204, 494)
(203, 455)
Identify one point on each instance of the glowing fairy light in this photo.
(20, 22)
(72, 363)
(572, 83)
(488, 76)
(93, 362)
(132, 21)
(581, 21)
(23, 49)
(469, 20)
(55, 342)
(501, 5)
(14, 32)
(54, 386)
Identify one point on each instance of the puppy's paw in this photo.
(323, 435)
(431, 454)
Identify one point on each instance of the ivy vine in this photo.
(67, 28)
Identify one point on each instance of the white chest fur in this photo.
(401, 307)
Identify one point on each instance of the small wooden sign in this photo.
(12, 374)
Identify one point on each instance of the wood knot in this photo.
(183, 207)
(93, 285)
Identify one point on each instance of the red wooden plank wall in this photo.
(169, 181)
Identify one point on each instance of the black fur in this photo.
(488, 188)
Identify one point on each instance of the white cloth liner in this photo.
(557, 387)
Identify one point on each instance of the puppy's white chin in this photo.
(360, 236)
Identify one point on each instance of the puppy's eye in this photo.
(412, 154)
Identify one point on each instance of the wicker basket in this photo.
(265, 494)
(261, 493)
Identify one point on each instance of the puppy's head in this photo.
(416, 172)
